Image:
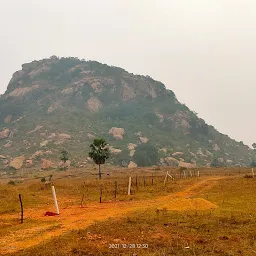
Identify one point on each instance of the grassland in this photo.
(209, 215)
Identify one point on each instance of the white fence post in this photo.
(252, 173)
(55, 200)
(129, 186)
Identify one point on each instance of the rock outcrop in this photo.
(4, 134)
(46, 164)
(17, 162)
(117, 133)
(132, 165)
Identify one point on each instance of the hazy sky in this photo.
(204, 50)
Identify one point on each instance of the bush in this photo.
(248, 176)
(43, 180)
(146, 155)
(11, 182)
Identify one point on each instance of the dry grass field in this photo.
(213, 214)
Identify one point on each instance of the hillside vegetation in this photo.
(59, 103)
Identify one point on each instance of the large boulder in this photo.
(46, 164)
(17, 162)
(117, 133)
(216, 147)
(29, 163)
(178, 154)
(132, 165)
(62, 164)
(143, 139)
(4, 134)
(115, 151)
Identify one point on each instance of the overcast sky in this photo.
(204, 50)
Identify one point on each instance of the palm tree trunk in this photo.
(99, 172)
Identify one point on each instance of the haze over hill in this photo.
(60, 103)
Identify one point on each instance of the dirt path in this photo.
(75, 217)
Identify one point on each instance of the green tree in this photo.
(146, 155)
(99, 152)
(254, 145)
(64, 157)
(253, 164)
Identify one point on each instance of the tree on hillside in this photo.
(146, 155)
(254, 145)
(99, 152)
(64, 157)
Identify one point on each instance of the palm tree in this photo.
(99, 152)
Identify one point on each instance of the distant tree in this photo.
(254, 145)
(253, 164)
(214, 163)
(64, 157)
(99, 152)
(146, 155)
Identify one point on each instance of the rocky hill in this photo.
(59, 103)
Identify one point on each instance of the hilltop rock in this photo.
(117, 133)
(17, 162)
(4, 134)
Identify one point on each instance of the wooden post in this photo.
(129, 186)
(55, 200)
(136, 182)
(184, 173)
(21, 209)
(115, 188)
(100, 193)
(144, 181)
(165, 177)
(152, 180)
(252, 173)
(198, 174)
(190, 173)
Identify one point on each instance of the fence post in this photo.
(21, 209)
(55, 200)
(100, 193)
(129, 186)
(115, 188)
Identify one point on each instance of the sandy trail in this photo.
(75, 217)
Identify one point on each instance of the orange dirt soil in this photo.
(75, 217)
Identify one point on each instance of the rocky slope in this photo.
(60, 103)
